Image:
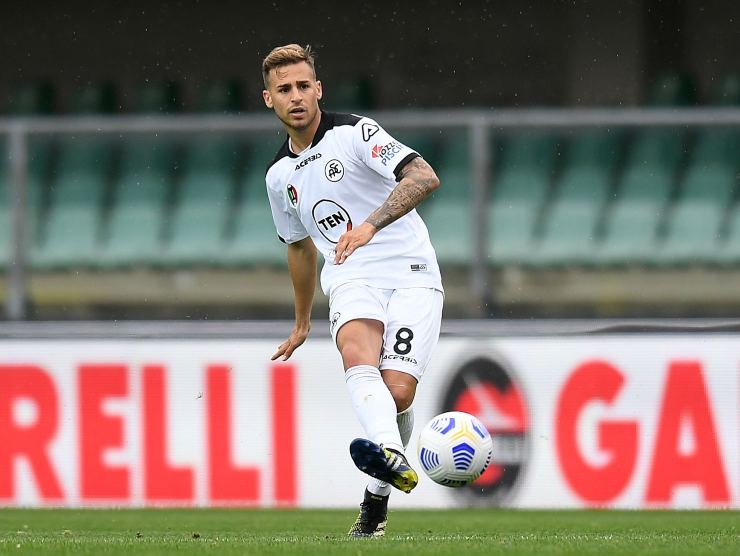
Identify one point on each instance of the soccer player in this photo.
(340, 184)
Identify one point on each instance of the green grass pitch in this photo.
(322, 532)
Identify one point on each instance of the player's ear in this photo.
(267, 97)
(319, 90)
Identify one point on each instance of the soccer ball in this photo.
(454, 449)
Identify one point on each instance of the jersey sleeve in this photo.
(379, 150)
(287, 224)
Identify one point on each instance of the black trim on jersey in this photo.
(406, 159)
(328, 121)
(282, 153)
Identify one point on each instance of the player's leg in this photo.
(410, 338)
(359, 342)
(412, 332)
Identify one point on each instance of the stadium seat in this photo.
(635, 215)
(448, 212)
(134, 233)
(156, 97)
(39, 153)
(199, 218)
(94, 98)
(695, 224)
(571, 222)
(350, 94)
(672, 89)
(523, 172)
(727, 92)
(221, 96)
(254, 241)
(728, 251)
(30, 98)
(70, 234)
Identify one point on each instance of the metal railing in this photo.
(481, 126)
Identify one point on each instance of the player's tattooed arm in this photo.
(416, 182)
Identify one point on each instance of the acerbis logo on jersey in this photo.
(483, 387)
(334, 171)
(306, 161)
(387, 152)
(332, 220)
(292, 195)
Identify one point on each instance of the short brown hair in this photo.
(284, 55)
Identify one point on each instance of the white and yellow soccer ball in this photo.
(454, 449)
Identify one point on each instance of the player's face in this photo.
(294, 93)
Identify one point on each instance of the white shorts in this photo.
(411, 317)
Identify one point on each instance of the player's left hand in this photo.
(352, 239)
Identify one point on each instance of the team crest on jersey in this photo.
(292, 195)
(334, 170)
(332, 219)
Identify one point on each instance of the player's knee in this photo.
(402, 395)
(354, 353)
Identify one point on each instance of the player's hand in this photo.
(296, 339)
(350, 240)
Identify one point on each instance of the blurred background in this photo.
(589, 152)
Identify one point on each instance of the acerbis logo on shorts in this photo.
(387, 152)
(334, 171)
(334, 320)
(483, 387)
(404, 358)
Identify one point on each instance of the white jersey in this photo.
(348, 171)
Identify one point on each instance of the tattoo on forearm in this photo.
(417, 181)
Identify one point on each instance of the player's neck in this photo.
(300, 140)
(296, 148)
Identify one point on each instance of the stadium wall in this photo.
(609, 420)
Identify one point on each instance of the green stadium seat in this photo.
(695, 223)
(38, 167)
(221, 96)
(148, 154)
(32, 98)
(157, 97)
(134, 234)
(94, 98)
(672, 89)
(523, 172)
(254, 241)
(199, 219)
(350, 95)
(635, 215)
(204, 196)
(448, 211)
(716, 147)
(213, 154)
(570, 225)
(70, 232)
(571, 221)
(727, 92)
(728, 252)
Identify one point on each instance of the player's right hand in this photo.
(296, 339)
